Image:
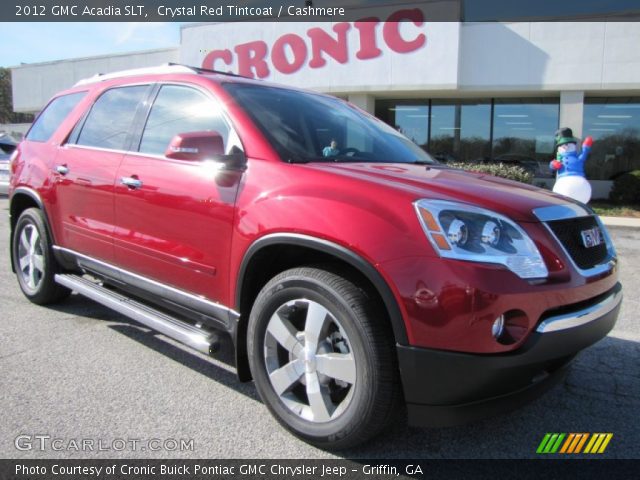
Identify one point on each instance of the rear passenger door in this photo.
(85, 170)
(174, 226)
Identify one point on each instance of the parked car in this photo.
(7, 146)
(200, 204)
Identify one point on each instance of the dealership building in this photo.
(468, 91)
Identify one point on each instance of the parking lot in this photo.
(78, 371)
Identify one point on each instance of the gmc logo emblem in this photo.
(592, 237)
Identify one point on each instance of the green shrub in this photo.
(626, 188)
(511, 172)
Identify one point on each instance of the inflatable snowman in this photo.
(570, 179)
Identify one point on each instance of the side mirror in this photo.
(200, 146)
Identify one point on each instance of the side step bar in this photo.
(199, 339)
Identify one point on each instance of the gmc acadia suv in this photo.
(202, 204)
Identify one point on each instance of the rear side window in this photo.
(110, 120)
(53, 115)
(177, 110)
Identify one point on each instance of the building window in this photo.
(460, 130)
(411, 118)
(451, 130)
(518, 132)
(523, 133)
(614, 124)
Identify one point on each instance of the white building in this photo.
(469, 91)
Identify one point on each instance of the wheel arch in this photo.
(262, 262)
(21, 199)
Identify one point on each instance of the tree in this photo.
(7, 115)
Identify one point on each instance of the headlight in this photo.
(465, 232)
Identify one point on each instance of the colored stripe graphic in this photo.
(581, 442)
(567, 443)
(574, 442)
(605, 443)
(592, 442)
(543, 443)
(556, 446)
(550, 443)
(598, 443)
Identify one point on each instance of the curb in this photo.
(621, 222)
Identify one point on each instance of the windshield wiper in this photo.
(293, 159)
(423, 162)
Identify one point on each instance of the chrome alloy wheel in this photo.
(31, 257)
(309, 360)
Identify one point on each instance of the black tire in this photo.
(36, 277)
(360, 335)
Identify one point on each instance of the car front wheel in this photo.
(322, 357)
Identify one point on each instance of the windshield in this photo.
(305, 127)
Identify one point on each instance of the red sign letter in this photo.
(279, 57)
(336, 48)
(210, 60)
(368, 47)
(391, 31)
(251, 57)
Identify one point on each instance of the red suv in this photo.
(352, 272)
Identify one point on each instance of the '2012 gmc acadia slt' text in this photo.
(352, 272)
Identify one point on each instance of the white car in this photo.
(7, 146)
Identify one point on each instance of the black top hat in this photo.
(564, 135)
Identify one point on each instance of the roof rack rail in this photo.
(164, 68)
(206, 70)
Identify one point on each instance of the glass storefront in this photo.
(409, 117)
(514, 131)
(461, 130)
(614, 124)
(523, 133)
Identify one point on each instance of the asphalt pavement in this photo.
(80, 381)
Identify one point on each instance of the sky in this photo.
(46, 42)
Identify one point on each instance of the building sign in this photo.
(404, 52)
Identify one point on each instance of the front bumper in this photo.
(445, 388)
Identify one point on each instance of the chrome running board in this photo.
(197, 338)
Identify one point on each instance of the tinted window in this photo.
(409, 117)
(614, 124)
(180, 110)
(111, 118)
(523, 133)
(460, 129)
(53, 115)
(301, 127)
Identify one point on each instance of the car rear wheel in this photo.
(34, 261)
(322, 358)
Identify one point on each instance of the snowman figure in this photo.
(570, 179)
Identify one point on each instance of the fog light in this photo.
(498, 327)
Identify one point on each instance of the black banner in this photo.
(315, 469)
(218, 11)
(313, 10)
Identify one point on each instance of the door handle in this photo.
(62, 169)
(131, 182)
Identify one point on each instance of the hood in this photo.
(514, 199)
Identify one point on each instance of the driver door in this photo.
(174, 217)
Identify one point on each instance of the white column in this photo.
(571, 111)
(364, 101)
